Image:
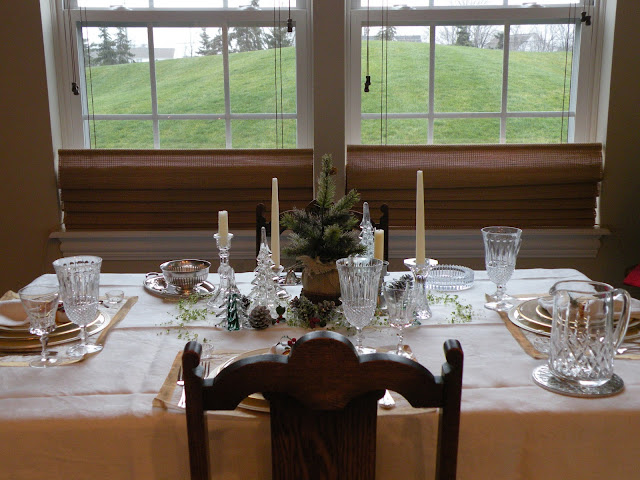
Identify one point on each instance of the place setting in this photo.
(62, 314)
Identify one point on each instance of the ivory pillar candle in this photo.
(420, 247)
(378, 244)
(275, 223)
(223, 227)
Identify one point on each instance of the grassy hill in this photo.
(466, 80)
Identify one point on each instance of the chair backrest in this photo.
(323, 404)
(381, 224)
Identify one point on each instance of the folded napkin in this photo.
(12, 314)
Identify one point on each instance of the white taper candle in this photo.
(420, 247)
(275, 223)
(378, 244)
(223, 227)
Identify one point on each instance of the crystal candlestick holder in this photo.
(420, 273)
(382, 303)
(225, 272)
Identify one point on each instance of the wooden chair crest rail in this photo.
(323, 404)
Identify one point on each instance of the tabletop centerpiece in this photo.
(321, 234)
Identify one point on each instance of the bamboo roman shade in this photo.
(177, 189)
(471, 186)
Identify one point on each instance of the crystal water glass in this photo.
(79, 280)
(40, 302)
(501, 247)
(400, 305)
(359, 284)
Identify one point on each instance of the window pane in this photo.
(396, 131)
(539, 67)
(116, 71)
(262, 76)
(195, 82)
(404, 70)
(192, 134)
(466, 130)
(468, 64)
(536, 130)
(121, 133)
(263, 133)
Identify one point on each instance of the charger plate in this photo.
(32, 342)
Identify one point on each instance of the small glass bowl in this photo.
(113, 297)
(449, 278)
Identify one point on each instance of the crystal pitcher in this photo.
(584, 332)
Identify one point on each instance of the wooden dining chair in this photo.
(381, 224)
(323, 404)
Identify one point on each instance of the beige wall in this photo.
(29, 198)
(28, 192)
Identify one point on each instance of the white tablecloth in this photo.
(95, 419)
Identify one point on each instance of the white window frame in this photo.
(587, 53)
(73, 108)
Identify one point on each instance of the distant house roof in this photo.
(142, 53)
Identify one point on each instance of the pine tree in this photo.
(106, 50)
(463, 37)
(278, 37)
(324, 231)
(206, 44)
(123, 47)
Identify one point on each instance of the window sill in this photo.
(153, 245)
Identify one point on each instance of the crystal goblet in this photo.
(359, 283)
(41, 303)
(79, 280)
(400, 305)
(501, 247)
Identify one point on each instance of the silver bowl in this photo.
(185, 275)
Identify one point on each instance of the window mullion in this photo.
(505, 83)
(432, 76)
(227, 95)
(154, 92)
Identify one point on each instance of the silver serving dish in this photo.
(155, 284)
(185, 275)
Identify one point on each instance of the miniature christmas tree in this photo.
(266, 291)
(324, 232)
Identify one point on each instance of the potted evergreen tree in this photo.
(321, 234)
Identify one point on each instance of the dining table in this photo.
(116, 414)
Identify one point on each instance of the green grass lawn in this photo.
(466, 80)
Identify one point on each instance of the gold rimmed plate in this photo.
(530, 316)
(32, 343)
(64, 328)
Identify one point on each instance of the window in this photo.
(470, 71)
(184, 74)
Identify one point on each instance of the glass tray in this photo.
(449, 278)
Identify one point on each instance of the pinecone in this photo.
(260, 317)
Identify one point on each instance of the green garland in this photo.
(188, 312)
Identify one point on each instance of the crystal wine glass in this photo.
(359, 283)
(501, 246)
(400, 305)
(41, 303)
(79, 279)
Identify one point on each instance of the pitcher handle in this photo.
(625, 315)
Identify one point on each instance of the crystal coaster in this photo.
(449, 278)
(543, 377)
